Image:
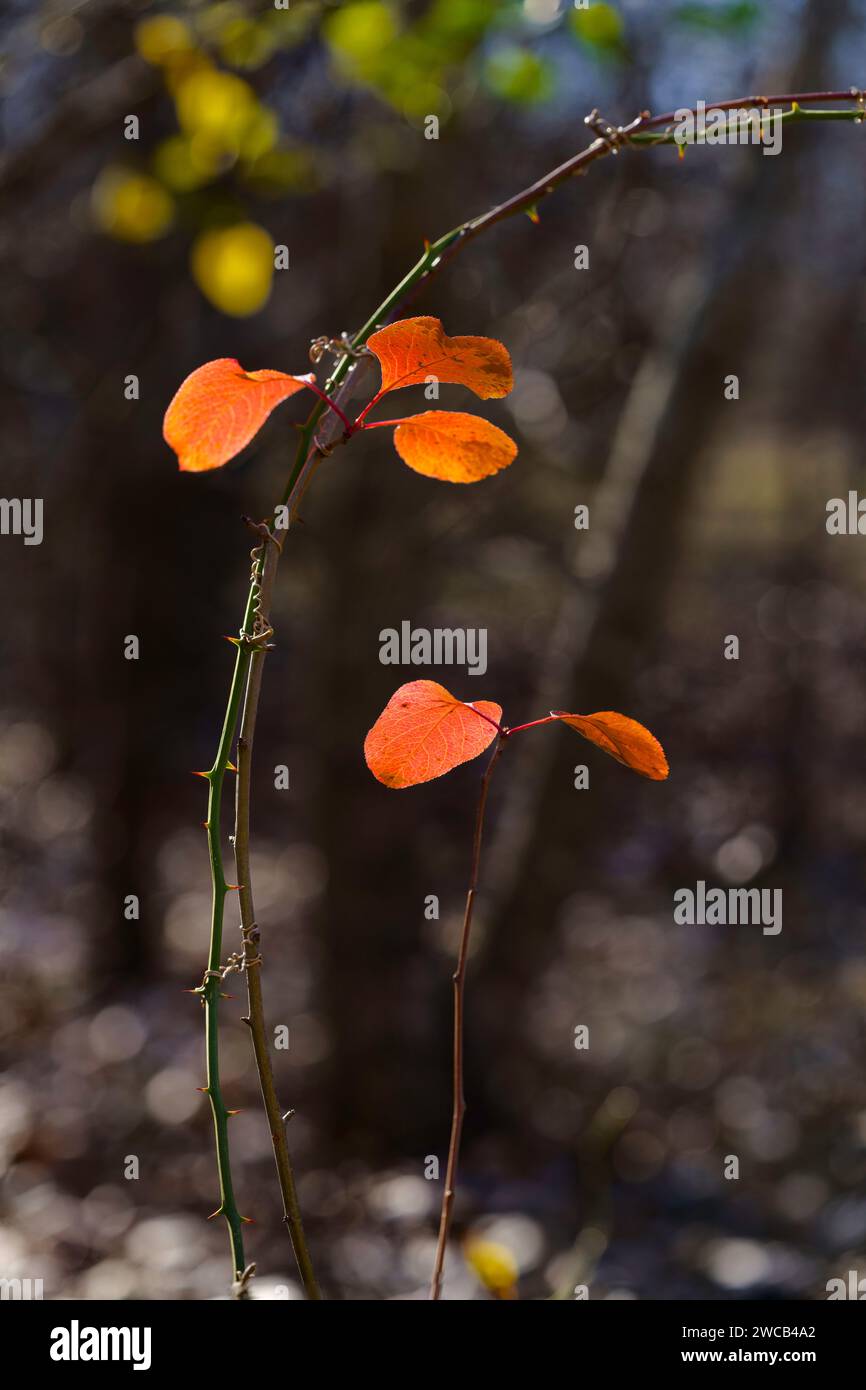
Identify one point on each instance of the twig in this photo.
(265, 562)
(459, 979)
(210, 988)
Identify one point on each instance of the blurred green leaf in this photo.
(728, 18)
(359, 33)
(517, 75)
(601, 27)
(461, 23)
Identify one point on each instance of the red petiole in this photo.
(504, 731)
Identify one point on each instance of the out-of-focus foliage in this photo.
(234, 267)
(494, 1265)
(601, 28)
(725, 18)
(224, 131)
(518, 75)
(131, 206)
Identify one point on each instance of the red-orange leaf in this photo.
(623, 738)
(219, 408)
(412, 350)
(423, 732)
(455, 447)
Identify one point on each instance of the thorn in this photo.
(234, 1112)
(218, 1212)
(205, 825)
(681, 151)
(235, 641)
(532, 214)
(197, 990)
(204, 1090)
(248, 1021)
(233, 887)
(248, 1221)
(426, 244)
(226, 996)
(205, 775)
(230, 767)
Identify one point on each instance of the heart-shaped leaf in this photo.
(452, 446)
(412, 350)
(423, 731)
(219, 408)
(623, 738)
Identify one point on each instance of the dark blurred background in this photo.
(305, 127)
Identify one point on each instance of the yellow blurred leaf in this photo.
(233, 267)
(357, 34)
(162, 38)
(246, 43)
(183, 164)
(493, 1265)
(131, 206)
(261, 134)
(218, 105)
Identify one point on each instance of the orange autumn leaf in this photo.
(219, 408)
(423, 732)
(412, 350)
(623, 738)
(455, 447)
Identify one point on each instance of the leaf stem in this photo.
(459, 978)
(533, 724)
(326, 400)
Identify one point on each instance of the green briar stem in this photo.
(265, 562)
(211, 988)
(645, 130)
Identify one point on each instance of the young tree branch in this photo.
(265, 563)
(459, 979)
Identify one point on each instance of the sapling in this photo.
(220, 408)
(214, 414)
(423, 732)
